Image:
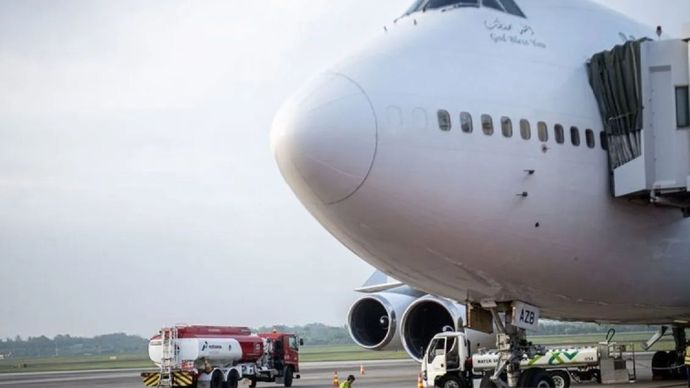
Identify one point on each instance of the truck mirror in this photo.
(301, 342)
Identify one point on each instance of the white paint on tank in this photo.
(216, 350)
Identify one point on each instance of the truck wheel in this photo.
(233, 380)
(536, 378)
(452, 382)
(217, 379)
(561, 378)
(287, 377)
(252, 383)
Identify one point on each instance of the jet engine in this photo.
(430, 315)
(374, 320)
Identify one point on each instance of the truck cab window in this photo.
(292, 342)
(436, 347)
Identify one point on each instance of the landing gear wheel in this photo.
(287, 377)
(536, 378)
(217, 379)
(560, 378)
(452, 382)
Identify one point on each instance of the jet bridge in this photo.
(642, 92)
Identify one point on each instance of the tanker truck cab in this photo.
(447, 361)
(282, 358)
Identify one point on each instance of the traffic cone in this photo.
(361, 369)
(336, 382)
(420, 382)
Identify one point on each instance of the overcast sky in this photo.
(137, 186)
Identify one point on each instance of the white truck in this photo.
(449, 364)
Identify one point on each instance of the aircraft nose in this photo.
(324, 138)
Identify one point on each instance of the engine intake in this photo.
(373, 321)
(425, 318)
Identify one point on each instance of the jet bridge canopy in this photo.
(641, 89)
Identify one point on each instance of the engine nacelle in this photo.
(374, 320)
(430, 315)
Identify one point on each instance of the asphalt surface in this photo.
(379, 374)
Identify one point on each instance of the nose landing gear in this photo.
(513, 347)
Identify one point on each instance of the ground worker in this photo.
(687, 362)
(348, 383)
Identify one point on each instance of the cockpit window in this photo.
(508, 6)
(512, 8)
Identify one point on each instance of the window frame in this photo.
(487, 119)
(442, 113)
(559, 134)
(603, 141)
(543, 128)
(466, 118)
(525, 128)
(506, 127)
(575, 137)
(590, 139)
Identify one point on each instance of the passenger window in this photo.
(604, 141)
(559, 133)
(506, 126)
(682, 107)
(589, 135)
(487, 125)
(444, 120)
(575, 136)
(525, 130)
(543, 132)
(466, 122)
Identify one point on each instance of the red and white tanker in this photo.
(221, 356)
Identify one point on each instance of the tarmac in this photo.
(379, 374)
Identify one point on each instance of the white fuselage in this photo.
(439, 210)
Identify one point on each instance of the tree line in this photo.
(314, 334)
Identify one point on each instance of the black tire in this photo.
(560, 378)
(452, 382)
(252, 383)
(660, 366)
(217, 379)
(486, 381)
(287, 377)
(536, 378)
(233, 380)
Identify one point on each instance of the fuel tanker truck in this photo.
(221, 356)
